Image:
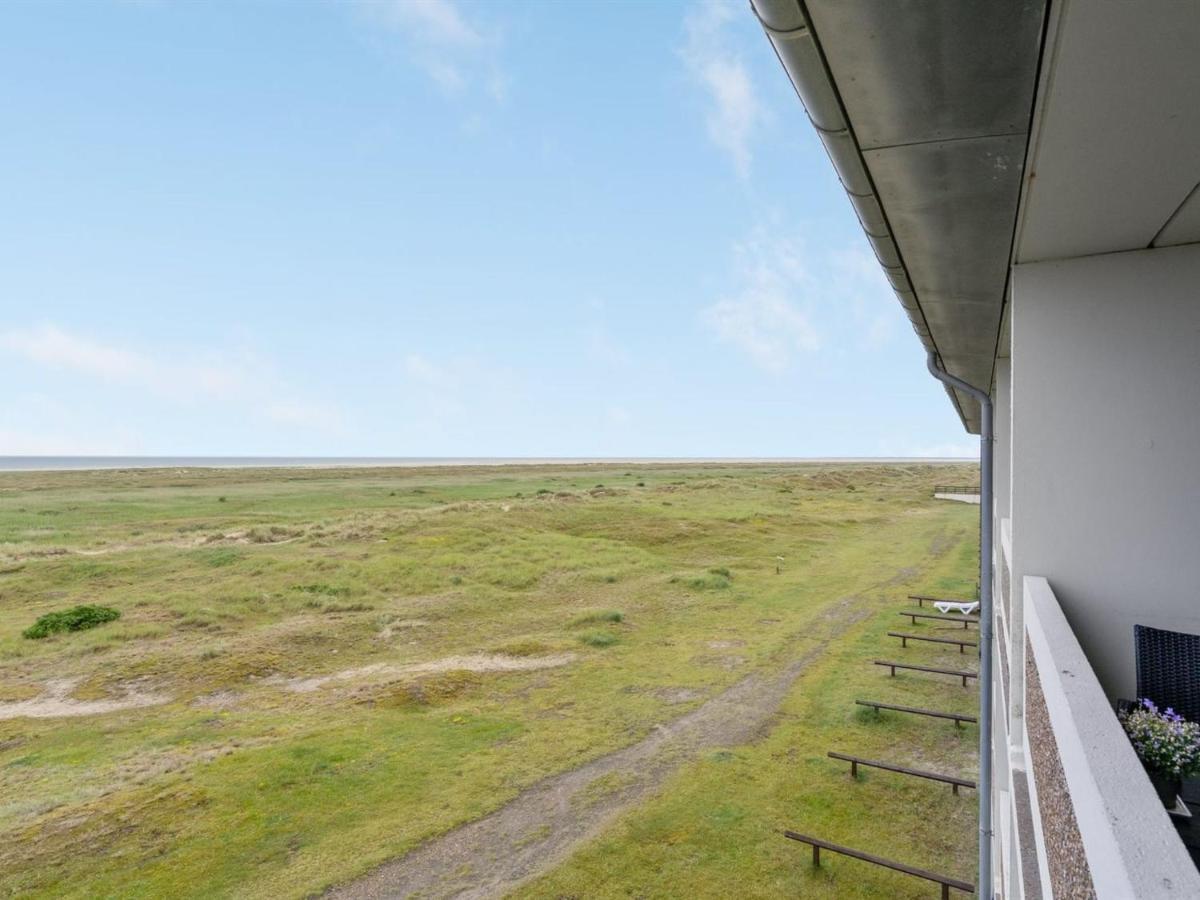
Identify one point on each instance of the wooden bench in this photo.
(966, 620)
(818, 845)
(958, 718)
(905, 638)
(921, 598)
(856, 761)
(958, 673)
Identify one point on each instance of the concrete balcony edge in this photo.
(1131, 847)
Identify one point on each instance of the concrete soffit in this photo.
(925, 112)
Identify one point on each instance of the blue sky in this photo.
(433, 227)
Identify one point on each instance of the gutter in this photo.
(985, 617)
(789, 29)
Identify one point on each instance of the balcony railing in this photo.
(956, 489)
(1101, 830)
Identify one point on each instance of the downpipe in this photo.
(985, 886)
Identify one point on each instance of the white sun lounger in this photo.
(945, 606)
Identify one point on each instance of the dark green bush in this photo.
(79, 618)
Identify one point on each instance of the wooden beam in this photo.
(958, 718)
(944, 880)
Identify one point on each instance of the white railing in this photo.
(1090, 791)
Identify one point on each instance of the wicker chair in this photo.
(1168, 669)
(1168, 672)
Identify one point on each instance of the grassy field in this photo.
(316, 671)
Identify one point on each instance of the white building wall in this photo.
(1106, 445)
(1002, 433)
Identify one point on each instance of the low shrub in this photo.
(79, 618)
(598, 616)
(222, 557)
(599, 638)
(714, 581)
(327, 590)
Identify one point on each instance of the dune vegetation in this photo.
(308, 674)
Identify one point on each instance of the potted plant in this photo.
(1167, 745)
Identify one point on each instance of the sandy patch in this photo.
(677, 695)
(389, 630)
(55, 702)
(725, 645)
(475, 662)
(218, 700)
(729, 663)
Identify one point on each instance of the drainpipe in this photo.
(985, 618)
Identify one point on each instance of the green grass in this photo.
(232, 584)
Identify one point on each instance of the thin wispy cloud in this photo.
(238, 380)
(447, 399)
(793, 297)
(433, 21)
(733, 111)
(875, 314)
(49, 346)
(764, 316)
(457, 52)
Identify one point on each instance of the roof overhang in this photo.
(974, 135)
(925, 111)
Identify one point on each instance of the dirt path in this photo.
(541, 826)
(55, 702)
(474, 662)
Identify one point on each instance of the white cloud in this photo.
(793, 297)
(421, 369)
(873, 306)
(238, 380)
(454, 51)
(734, 111)
(763, 316)
(51, 347)
(432, 21)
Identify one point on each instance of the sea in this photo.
(52, 463)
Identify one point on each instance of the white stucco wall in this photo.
(1002, 433)
(1106, 444)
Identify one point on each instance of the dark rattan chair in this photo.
(1168, 672)
(1168, 669)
